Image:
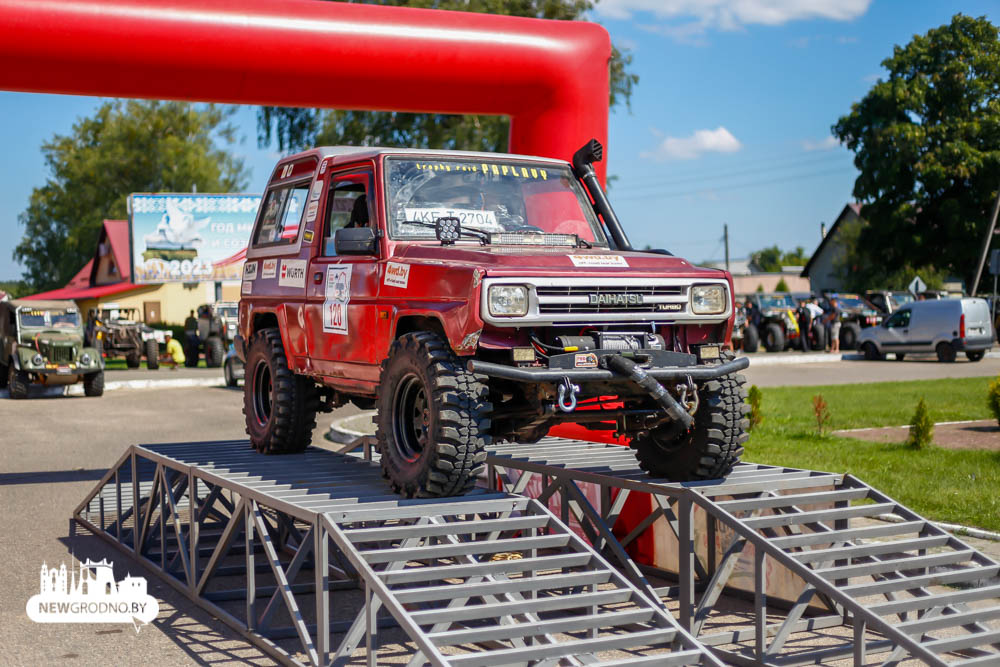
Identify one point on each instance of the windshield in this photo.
(852, 303)
(490, 196)
(899, 299)
(59, 319)
(229, 311)
(777, 301)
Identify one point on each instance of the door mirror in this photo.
(355, 241)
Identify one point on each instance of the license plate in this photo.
(63, 370)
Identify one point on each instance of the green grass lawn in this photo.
(118, 364)
(955, 486)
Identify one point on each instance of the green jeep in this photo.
(41, 342)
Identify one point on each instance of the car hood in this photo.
(502, 261)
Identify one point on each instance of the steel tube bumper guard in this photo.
(600, 374)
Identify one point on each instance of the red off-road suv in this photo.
(472, 297)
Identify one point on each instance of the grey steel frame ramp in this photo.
(854, 588)
(296, 551)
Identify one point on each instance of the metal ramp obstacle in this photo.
(853, 588)
(295, 552)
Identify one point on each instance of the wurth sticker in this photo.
(338, 296)
(293, 273)
(317, 190)
(397, 275)
(311, 211)
(598, 260)
(269, 268)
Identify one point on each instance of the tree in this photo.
(125, 147)
(296, 128)
(927, 143)
(782, 286)
(773, 258)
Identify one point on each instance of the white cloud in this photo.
(731, 14)
(824, 145)
(719, 140)
(695, 17)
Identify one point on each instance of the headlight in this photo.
(84, 359)
(508, 300)
(708, 299)
(37, 360)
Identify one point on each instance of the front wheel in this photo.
(93, 384)
(975, 356)
(871, 352)
(433, 419)
(132, 359)
(774, 338)
(849, 333)
(230, 376)
(214, 352)
(280, 407)
(713, 445)
(751, 339)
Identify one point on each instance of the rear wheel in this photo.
(93, 384)
(975, 356)
(433, 419)
(17, 382)
(871, 352)
(849, 333)
(900, 356)
(280, 407)
(214, 352)
(230, 376)
(152, 354)
(713, 445)
(751, 338)
(133, 358)
(774, 338)
(945, 352)
(817, 338)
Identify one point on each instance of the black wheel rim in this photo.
(411, 418)
(262, 390)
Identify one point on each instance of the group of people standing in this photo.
(808, 315)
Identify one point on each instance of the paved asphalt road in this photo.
(53, 450)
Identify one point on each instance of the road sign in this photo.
(917, 285)
(995, 262)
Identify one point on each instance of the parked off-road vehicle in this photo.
(855, 314)
(779, 329)
(478, 297)
(41, 342)
(215, 330)
(117, 332)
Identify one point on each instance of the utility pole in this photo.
(986, 244)
(725, 237)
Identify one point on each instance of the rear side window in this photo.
(282, 213)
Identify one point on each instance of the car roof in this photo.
(365, 152)
(40, 304)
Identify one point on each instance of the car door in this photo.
(895, 333)
(341, 315)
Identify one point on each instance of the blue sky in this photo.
(730, 122)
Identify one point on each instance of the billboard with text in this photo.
(189, 237)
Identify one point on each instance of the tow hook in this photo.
(684, 390)
(567, 395)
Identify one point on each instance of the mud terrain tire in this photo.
(280, 406)
(228, 373)
(93, 384)
(751, 338)
(214, 352)
(849, 334)
(715, 443)
(152, 354)
(433, 419)
(774, 338)
(133, 359)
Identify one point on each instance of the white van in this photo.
(943, 326)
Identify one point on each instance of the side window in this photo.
(899, 319)
(349, 205)
(279, 224)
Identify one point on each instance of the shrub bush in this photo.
(921, 427)
(993, 399)
(822, 413)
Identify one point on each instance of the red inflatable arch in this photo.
(550, 77)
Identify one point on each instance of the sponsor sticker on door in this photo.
(338, 296)
(246, 287)
(397, 275)
(293, 273)
(250, 271)
(269, 268)
(598, 260)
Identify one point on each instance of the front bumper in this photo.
(532, 374)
